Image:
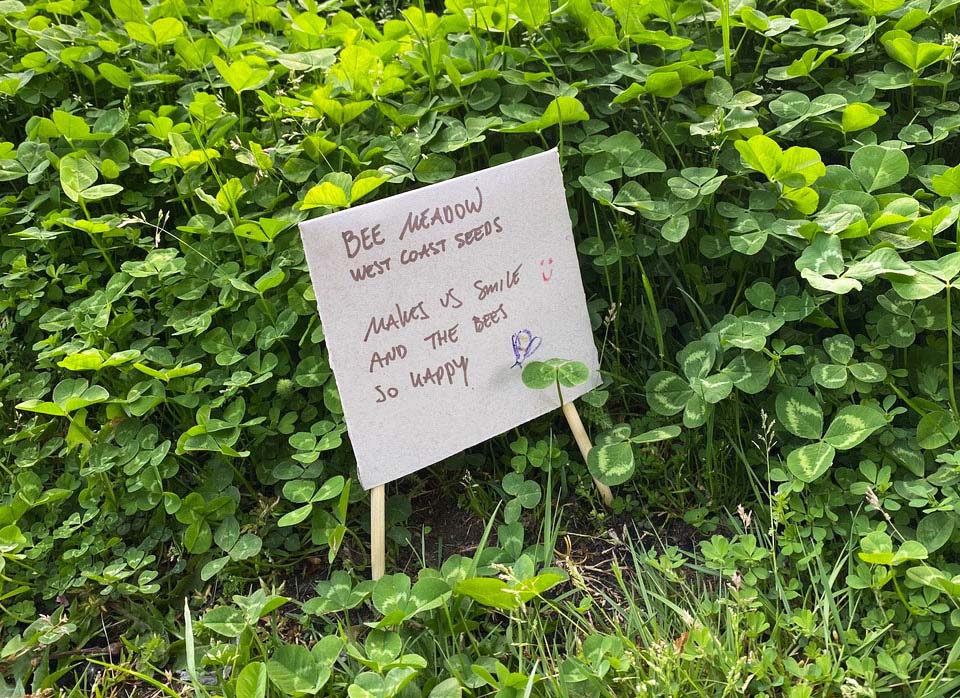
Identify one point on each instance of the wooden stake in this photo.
(378, 532)
(583, 441)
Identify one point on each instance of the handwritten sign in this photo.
(432, 301)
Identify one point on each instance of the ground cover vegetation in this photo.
(765, 198)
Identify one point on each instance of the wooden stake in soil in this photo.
(378, 532)
(583, 441)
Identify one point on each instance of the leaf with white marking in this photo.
(800, 413)
(667, 393)
(809, 462)
(852, 425)
(612, 464)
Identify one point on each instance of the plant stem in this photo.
(725, 28)
(840, 317)
(950, 379)
(240, 111)
(654, 311)
(94, 239)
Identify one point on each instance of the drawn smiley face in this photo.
(546, 269)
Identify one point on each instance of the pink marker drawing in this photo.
(545, 266)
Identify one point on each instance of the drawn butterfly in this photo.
(524, 344)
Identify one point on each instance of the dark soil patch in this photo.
(595, 552)
(592, 546)
(438, 528)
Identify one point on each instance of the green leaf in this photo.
(799, 413)
(271, 279)
(935, 529)
(390, 596)
(357, 68)
(312, 372)
(337, 594)
(293, 670)
(868, 372)
(300, 491)
(664, 84)
(667, 393)
(876, 548)
(852, 425)
(877, 167)
(831, 376)
(876, 8)
(935, 579)
(496, 593)
(450, 688)
(881, 261)
(936, 429)
(696, 359)
(916, 56)
(695, 412)
(859, 115)
(572, 373)
(115, 75)
(809, 462)
(243, 75)
(910, 550)
(629, 153)
(324, 194)
(166, 29)
(364, 185)
(249, 545)
(750, 372)
(713, 388)
(761, 153)
(296, 516)
(917, 287)
(675, 229)
(488, 591)
(659, 434)
(138, 31)
(947, 183)
(946, 268)
(198, 537)
(561, 110)
(69, 396)
(538, 375)
(42, 407)
(800, 167)
(86, 360)
(127, 10)
(100, 191)
(329, 489)
(224, 620)
(76, 175)
(252, 681)
(612, 464)
(70, 126)
(839, 348)
(822, 265)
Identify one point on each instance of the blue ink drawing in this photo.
(524, 344)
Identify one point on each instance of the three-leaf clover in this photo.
(611, 460)
(306, 494)
(668, 393)
(538, 375)
(834, 375)
(800, 413)
(526, 495)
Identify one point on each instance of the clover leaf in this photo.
(611, 460)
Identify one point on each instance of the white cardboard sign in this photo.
(433, 300)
